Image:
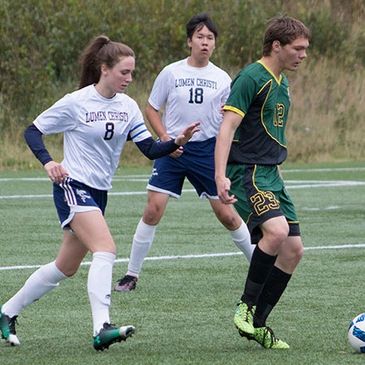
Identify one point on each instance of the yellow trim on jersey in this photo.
(262, 115)
(271, 73)
(268, 82)
(234, 110)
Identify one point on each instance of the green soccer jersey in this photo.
(263, 102)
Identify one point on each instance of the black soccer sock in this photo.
(260, 268)
(270, 295)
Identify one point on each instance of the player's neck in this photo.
(272, 64)
(195, 62)
(104, 91)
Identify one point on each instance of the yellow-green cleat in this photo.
(243, 319)
(266, 338)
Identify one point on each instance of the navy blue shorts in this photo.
(72, 196)
(196, 164)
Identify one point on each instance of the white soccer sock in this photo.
(99, 288)
(142, 242)
(38, 284)
(242, 239)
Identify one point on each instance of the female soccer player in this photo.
(96, 121)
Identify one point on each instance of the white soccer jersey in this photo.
(95, 131)
(189, 94)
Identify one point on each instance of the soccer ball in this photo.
(356, 333)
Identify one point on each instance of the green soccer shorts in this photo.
(261, 195)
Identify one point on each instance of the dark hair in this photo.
(285, 30)
(197, 22)
(101, 50)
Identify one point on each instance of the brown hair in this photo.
(285, 30)
(101, 50)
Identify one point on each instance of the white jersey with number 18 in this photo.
(189, 94)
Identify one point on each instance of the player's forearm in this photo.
(33, 137)
(221, 153)
(154, 118)
(223, 144)
(153, 149)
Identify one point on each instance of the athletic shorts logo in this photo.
(83, 195)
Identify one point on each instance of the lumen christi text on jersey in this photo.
(196, 82)
(105, 115)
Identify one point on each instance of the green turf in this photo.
(183, 308)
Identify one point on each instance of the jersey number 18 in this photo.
(196, 95)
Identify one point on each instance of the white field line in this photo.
(143, 178)
(198, 256)
(290, 184)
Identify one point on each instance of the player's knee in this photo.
(228, 217)
(292, 253)
(153, 214)
(71, 272)
(297, 251)
(230, 221)
(277, 235)
(68, 270)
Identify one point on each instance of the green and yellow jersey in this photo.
(263, 102)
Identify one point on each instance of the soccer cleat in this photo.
(266, 338)
(4, 325)
(110, 334)
(127, 283)
(7, 329)
(243, 319)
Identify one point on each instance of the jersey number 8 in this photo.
(109, 131)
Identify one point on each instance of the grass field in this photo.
(184, 303)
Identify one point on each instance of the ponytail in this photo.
(101, 50)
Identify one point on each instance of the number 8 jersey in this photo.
(189, 94)
(95, 131)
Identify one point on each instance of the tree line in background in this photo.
(41, 40)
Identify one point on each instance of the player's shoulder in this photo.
(82, 95)
(254, 69)
(126, 100)
(171, 67)
(218, 70)
(74, 98)
(254, 74)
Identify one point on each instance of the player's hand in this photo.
(55, 171)
(187, 133)
(223, 187)
(177, 153)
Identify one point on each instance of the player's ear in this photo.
(103, 69)
(188, 42)
(276, 45)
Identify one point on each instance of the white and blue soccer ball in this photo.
(356, 333)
